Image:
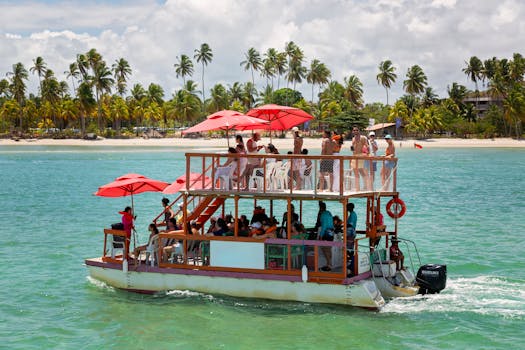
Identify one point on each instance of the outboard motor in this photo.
(431, 278)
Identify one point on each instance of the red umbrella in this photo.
(280, 117)
(130, 184)
(226, 120)
(180, 183)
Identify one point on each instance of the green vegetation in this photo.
(100, 101)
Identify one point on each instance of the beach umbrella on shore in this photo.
(196, 182)
(278, 117)
(226, 120)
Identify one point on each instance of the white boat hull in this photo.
(362, 293)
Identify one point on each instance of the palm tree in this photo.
(296, 71)
(386, 76)
(474, 70)
(318, 74)
(18, 86)
(39, 67)
(219, 99)
(457, 93)
(203, 55)
(86, 103)
(270, 64)
(138, 92)
(252, 62)
(249, 94)
(281, 65)
(354, 90)
(121, 72)
(102, 81)
(73, 73)
(429, 97)
(416, 81)
(155, 94)
(183, 68)
(235, 91)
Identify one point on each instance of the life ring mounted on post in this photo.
(396, 208)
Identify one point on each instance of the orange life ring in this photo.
(396, 213)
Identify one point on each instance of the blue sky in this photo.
(350, 37)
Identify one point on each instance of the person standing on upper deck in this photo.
(359, 143)
(373, 148)
(338, 140)
(327, 165)
(252, 148)
(390, 152)
(297, 163)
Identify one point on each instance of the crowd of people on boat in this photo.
(260, 226)
(332, 143)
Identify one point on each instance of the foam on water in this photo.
(485, 295)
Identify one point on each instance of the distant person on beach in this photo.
(326, 165)
(252, 148)
(390, 152)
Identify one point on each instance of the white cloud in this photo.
(350, 37)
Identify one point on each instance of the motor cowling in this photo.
(431, 278)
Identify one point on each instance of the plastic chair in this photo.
(258, 175)
(152, 251)
(281, 176)
(224, 175)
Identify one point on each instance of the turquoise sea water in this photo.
(465, 209)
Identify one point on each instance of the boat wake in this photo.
(99, 284)
(486, 295)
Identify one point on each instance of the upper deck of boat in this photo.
(275, 176)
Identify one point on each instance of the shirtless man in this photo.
(359, 142)
(327, 165)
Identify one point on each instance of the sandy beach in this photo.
(282, 144)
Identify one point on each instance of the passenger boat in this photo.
(288, 266)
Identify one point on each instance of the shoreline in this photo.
(281, 144)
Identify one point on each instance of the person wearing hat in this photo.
(390, 152)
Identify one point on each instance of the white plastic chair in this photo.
(224, 175)
(258, 175)
(282, 176)
(152, 250)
